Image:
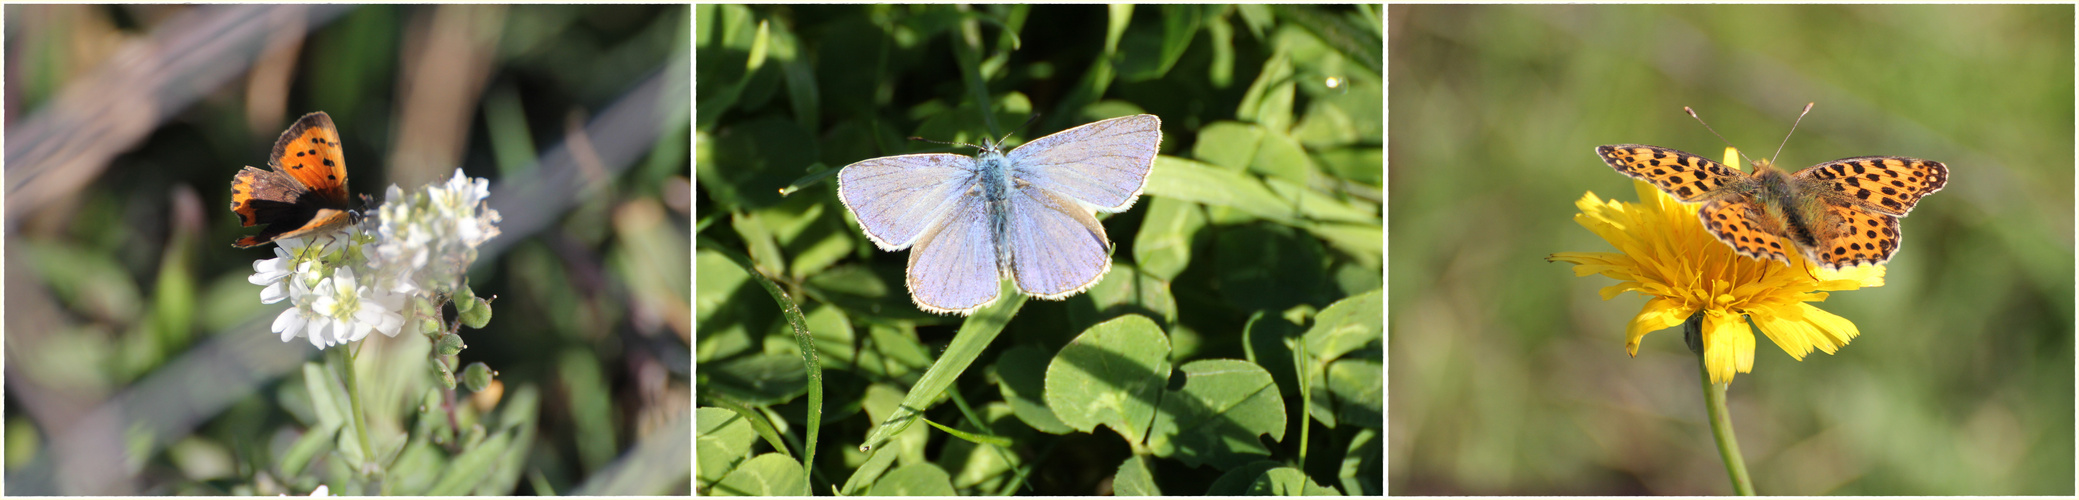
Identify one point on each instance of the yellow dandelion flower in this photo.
(1664, 253)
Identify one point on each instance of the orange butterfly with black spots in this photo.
(305, 194)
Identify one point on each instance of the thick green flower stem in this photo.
(1721, 419)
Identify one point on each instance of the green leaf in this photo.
(974, 336)
(516, 417)
(327, 396)
(766, 154)
(757, 424)
(1134, 479)
(471, 467)
(986, 467)
(1362, 468)
(810, 230)
(1325, 126)
(1289, 482)
(1279, 158)
(1220, 72)
(314, 441)
(1363, 243)
(921, 479)
(1149, 55)
(1216, 418)
(1126, 290)
(724, 441)
(1268, 101)
(760, 380)
(1357, 386)
(882, 402)
(1023, 372)
(1358, 165)
(1206, 184)
(1110, 375)
(1347, 325)
(770, 474)
(1168, 232)
(1270, 267)
(1229, 144)
(1236, 481)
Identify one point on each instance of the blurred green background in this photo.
(1509, 375)
(139, 359)
(1278, 106)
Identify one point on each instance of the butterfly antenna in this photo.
(1721, 138)
(998, 143)
(1793, 130)
(915, 138)
(1028, 122)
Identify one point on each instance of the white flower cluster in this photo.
(342, 286)
(430, 239)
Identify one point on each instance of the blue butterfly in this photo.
(1025, 215)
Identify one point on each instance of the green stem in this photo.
(1306, 395)
(354, 399)
(1721, 418)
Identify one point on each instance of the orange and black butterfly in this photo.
(305, 194)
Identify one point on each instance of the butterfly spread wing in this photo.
(309, 151)
(1884, 188)
(896, 198)
(1886, 184)
(953, 267)
(1685, 176)
(1057, 247)
(1102, 165)
(1855, 236)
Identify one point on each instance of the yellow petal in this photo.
(1728, 345)
(1658, 314)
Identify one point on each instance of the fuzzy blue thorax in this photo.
(995, 172)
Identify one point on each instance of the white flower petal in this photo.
(274, 292)
(289, 324)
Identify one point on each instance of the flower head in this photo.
(342, 286)
(429, 238)
(1665, 253)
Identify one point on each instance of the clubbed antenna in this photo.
(1707, 126)
(1793, 130)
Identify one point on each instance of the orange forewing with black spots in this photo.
(305, 194)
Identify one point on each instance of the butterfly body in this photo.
(1836, 214)
(304, 194)
(1024, 215)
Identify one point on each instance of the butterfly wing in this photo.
(305, 193)
(282, 203)
(1734, 221)
(1855, 237)
(309, 151)
(896, 198)
(1685, 176)
(1057, 248)
(1887, 184)
(953, 267)
(256, 195)
(1102, 164)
